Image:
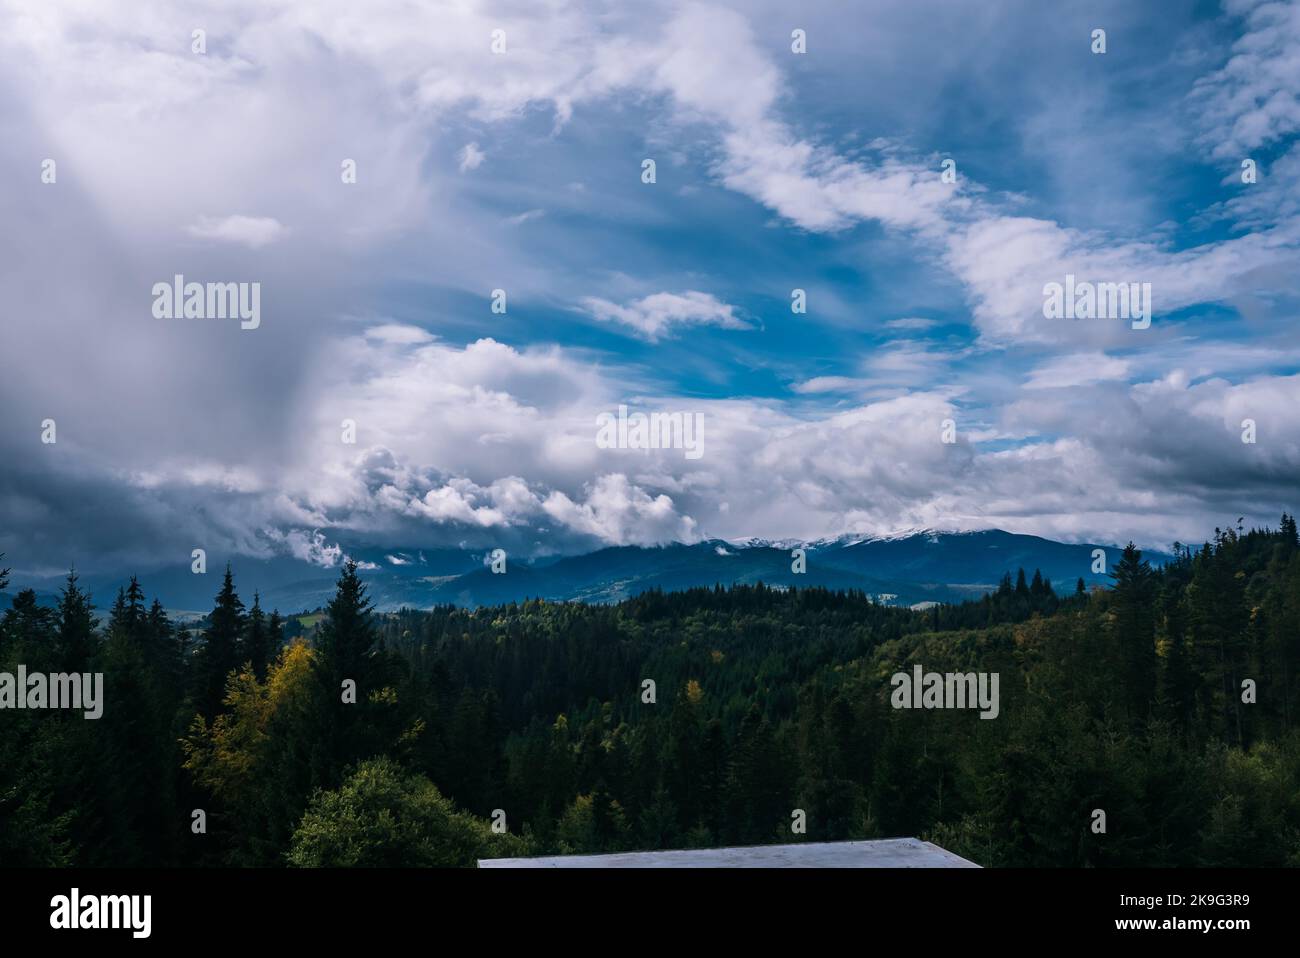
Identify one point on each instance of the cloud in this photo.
(617, 511)
(906, 359)
(1078, 370)
(311, 547)
(657, 315)
(477, 429)
(1153, 461)
(525, 217)
(398, 334)
(911, 323)
(470, 157)
(830, 384)
(1253, 101)
(251, 231)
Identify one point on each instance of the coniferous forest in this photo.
(1170, 701)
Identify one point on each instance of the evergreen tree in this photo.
(1289, 535)
(257, 649)
(76, 627)
(1134, 630)
(345, 640)
(219, 655)
(274, 634)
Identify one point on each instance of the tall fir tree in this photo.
(219, 655)
(76, 627)
(345, 640)
(1134, 630)
(256, 648)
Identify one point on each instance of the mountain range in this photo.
(913, 568)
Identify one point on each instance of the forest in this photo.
(1169, 701)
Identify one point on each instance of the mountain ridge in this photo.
(912, 567)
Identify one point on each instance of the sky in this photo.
(459, 250)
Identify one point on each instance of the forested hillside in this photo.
(1169, 701)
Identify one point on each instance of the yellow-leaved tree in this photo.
(256, 759)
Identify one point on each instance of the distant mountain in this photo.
(919, 567)
(906, 569)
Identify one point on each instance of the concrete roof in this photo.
(885, 853)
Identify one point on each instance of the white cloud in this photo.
(311, 547)
(1149, 461)
(830, 384)
(471, 157)
(656, 315)
(1254, 99)
(251, 231)
(398, 334)
(1078, 369)
(491, 440)
(525, 217)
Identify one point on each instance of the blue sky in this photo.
(521, 170)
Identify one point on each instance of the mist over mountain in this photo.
(907, 569)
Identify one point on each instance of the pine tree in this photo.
(275, 634)
(220, 653)
(345, 640)
(256, 649)
(165, 648)
(1134, 629)
(76, 627)
(1219, 619)
(27, 626)
(1289, 534)
(347, 636)
(1179, 683)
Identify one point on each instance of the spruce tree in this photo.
(76, 627)
(275, 635)
(1134, 629)
(1289, 535)
(344, 641)
(220, 653)
(257, 645)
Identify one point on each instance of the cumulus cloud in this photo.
(1131, 468)
(475, 436)
(311, 547)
